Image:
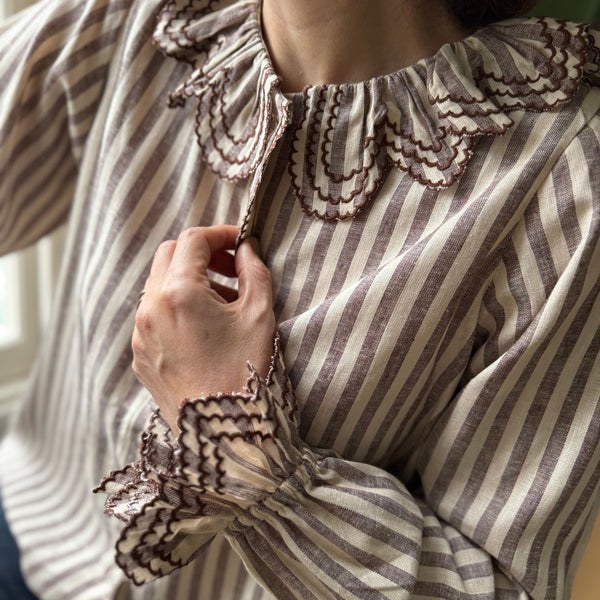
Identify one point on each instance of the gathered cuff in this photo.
(233, 451)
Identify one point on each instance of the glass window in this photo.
(10, 317)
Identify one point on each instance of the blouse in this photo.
(430, 422)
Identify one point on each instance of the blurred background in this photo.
(587, 11)
(27, 281)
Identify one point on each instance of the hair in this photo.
(477, 13)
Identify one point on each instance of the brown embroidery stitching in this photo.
(452, 145)
(214, 116)
(435, 162)
(445, 154)
(173, 483)
(164, 26)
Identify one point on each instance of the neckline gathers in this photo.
(423, 119)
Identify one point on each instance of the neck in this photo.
(315, 42)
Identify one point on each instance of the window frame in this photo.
(37, 272)
(17, 354)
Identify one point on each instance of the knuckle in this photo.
(263, 271)
(143, 319)
(166, 245)
(136, 368)
(190, 233)
(259, 311)
(263, 314)
(136, 343)
(259, 272)
(176, 297)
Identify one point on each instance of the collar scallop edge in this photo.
(423, 119)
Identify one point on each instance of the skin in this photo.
(335, 41)
(193, 338)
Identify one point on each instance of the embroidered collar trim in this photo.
(424, 119)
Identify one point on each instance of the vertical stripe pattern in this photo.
(431, 424)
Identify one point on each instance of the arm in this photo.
(55, 60)
(312, 525)
(509, 471)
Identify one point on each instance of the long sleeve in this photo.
(506, 480)
(514, 462)
(55, 58)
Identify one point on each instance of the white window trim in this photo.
(10, 294)
(17, 354)
(38, 269)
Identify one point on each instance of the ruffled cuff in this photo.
(233, 451)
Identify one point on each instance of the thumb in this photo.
(254, 278)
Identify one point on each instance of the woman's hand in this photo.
(193, 337)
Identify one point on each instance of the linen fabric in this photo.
(429, 427)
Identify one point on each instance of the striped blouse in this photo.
(429, 427)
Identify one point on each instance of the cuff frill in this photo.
(234, 451)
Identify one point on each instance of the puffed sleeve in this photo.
(509, 474)
(54, 60)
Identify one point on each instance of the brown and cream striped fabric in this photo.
(430, 424)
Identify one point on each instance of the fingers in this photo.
(162, 259)
(199, 249)
(223, 262)
(160, 265)
(195, 248)
(254, 278)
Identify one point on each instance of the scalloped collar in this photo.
(423, 119)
